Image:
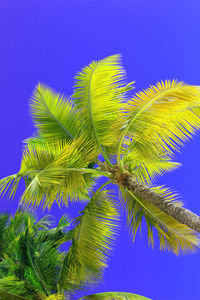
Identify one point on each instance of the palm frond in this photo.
(12, 288)
(9, 185)
(161, 117)
(56, 172)
(91, 242)
(98, 96)
(114, 296)
(173, 236)
(145, 166)
(31, 261)
(54, 115)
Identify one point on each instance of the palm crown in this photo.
(136, 136)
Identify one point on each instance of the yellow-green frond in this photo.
(98, 97)
(9, 185)
(114, 296)
(92, 240)
(173, 236)
(162, 116)
(58, 172)
(54, 115)
(146, 166)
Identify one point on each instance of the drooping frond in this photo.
(161, 117)
(173, 236)
(114, 296)
(54, 115)
(91, 242)
(57, 171)
(9, 185)
(145, 166)
(98, 96)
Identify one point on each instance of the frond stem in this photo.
(81, 170)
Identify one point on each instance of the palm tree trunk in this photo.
(179, 213)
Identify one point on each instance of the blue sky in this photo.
(49, 41)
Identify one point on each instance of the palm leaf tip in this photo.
(9, 185)
(172, 235)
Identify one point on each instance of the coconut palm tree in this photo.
(102, 131)
(31, 262)
(30, 258)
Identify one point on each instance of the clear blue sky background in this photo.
(49, 41)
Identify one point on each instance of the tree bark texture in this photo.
(179, 213)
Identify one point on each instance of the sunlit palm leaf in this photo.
(114, 296)
(91, 242)
(54, 115)
(172, 235)
(146, 169)
(96, 96)
(9, 185)
(161, 116)
(53, 172)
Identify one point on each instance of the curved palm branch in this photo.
(54, 115)
(99, 95)
(54, 171)
(161, 117)
(146, 169)
(91, 242)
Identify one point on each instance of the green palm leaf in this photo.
(58, 173)
(91, 242)
(173, 236)
(30, 260)
(55, 170)
(114, 296)
(146, 169)
(161, 117)
(54, 115)
(9, 185)
(98, 96)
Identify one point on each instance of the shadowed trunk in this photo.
(179, 213)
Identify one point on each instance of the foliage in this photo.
(30, 257)
(33, 267)
(133, 133)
